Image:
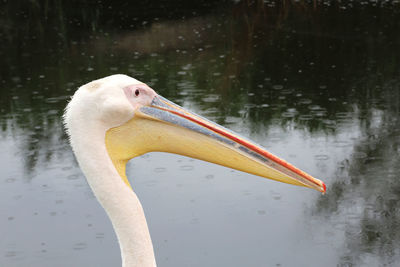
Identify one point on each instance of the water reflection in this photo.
(315, 82)
(366, 190)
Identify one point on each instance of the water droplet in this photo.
(276, 196)
(99, 235)
(343, 115)
(246, 193)
(79, 246)
(186, 168)
(10, 180)
(321, 157)
(10, 254)
(277, 87)
(159, 169)
(305, 101)
(211, 98)
(305, 117)
(261, 212)
(73, 177)
(359, 155)
(340, 143)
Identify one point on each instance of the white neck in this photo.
(120, 202)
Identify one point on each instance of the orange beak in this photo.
(166, 127)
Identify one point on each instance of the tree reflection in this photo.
(267, 62)
(366, 190)
(314, 65)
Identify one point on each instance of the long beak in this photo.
(166, 127)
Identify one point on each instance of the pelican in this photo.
(114, 119)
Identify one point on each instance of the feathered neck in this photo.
(119, 201)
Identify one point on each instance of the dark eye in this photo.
(136, 92)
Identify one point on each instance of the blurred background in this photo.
(315, 82)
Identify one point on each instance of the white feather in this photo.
(95, 108)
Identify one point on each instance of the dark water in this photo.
(316, 83)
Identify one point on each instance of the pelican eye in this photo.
(136, 92)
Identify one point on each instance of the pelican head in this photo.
(136, 120)
(117, 118)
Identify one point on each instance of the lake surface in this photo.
(315, 83)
